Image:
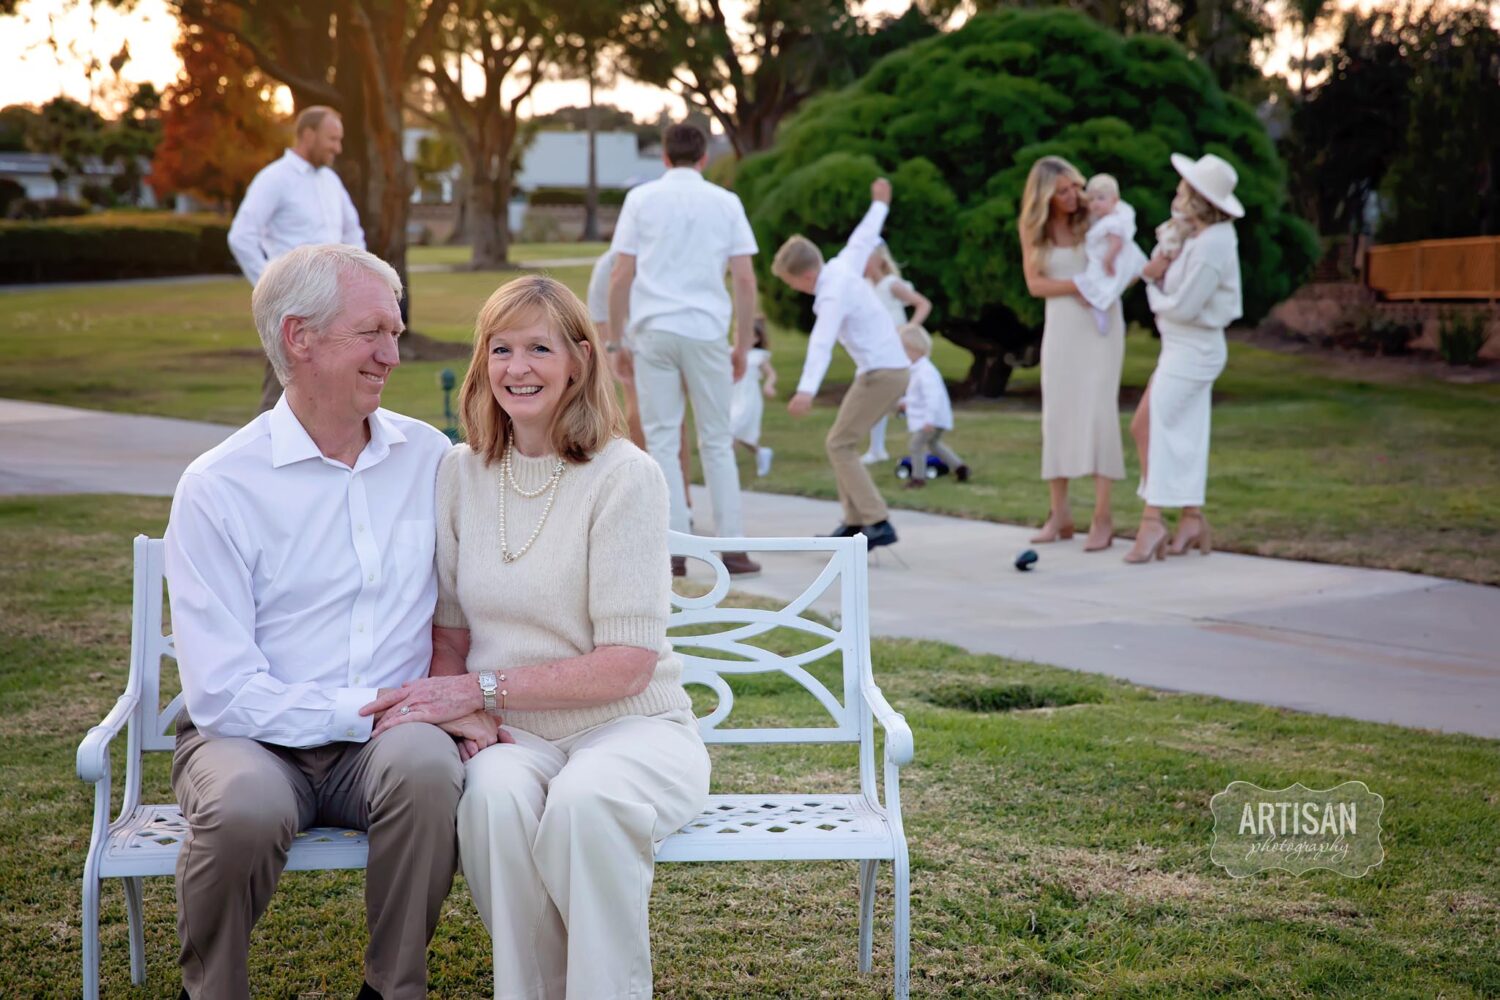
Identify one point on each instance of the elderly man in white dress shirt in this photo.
(299, 562)
(296, 201)
(673, 240)
(850, 313)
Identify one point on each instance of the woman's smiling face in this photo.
(530, 368)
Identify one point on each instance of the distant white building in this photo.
(561, 159)
(33, 171)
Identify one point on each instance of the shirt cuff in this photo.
(348, 725)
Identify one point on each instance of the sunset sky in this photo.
(35, 73)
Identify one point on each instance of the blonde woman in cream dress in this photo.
(1080, 368)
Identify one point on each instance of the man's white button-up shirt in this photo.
(289, 204)
(849, 312)
(682, 230)
(300, 586)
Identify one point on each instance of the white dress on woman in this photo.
(1198, 297)
(1080, 380)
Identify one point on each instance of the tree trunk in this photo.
(591, 197)
(460, 234)
(489, 217)
(994, 356)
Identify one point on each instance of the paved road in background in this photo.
(1368, 644)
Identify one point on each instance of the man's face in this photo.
(324, 143)
(348, 363)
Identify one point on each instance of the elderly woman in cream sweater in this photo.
(553, 596)
(1195, 294)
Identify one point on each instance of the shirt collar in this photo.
(298, 163)
(291, 443)
(688, 174)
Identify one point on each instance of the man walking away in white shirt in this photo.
(295, 201)
(299, 563)
(848, 312)
(673, 240)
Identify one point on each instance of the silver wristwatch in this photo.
(488, 685)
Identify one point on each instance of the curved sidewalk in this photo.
(1368, 644)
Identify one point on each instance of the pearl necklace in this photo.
(508, 478)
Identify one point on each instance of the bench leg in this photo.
(135, 917)
(902, 935)
(867, 871)
(90, 936)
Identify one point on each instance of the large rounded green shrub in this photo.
(956, 121)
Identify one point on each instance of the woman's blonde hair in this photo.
(1036, 200)
(588, 415)
(884, 262)
(1196, 209)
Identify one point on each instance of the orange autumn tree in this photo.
(218, 126)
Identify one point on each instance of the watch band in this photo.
(488, 685)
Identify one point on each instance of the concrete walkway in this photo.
(1368, 644)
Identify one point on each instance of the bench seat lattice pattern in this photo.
(144, 839)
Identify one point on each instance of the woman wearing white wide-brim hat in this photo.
(1194, 296)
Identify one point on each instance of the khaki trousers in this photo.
(558, 842)
(923, 441)
(270, 389)
(873, 395)
(664, 364)
(244, 802)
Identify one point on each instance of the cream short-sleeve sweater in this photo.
(597, 574)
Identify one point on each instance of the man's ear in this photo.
(296, 338)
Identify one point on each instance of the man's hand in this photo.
(880, 190)
(432, 699)
(474, 732)
(800, 404)
(623, 363)
(738, 358)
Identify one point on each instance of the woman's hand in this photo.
(474, 732)
(432, 699)
(1155, 268)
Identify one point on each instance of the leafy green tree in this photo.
(958, 120)
(752, 71)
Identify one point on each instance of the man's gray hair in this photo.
(305, 283)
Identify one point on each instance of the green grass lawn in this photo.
(1309, 461)
(1055, 852)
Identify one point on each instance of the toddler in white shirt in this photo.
(1114, 261)
(929, 412)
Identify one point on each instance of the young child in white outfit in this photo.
(1114, 261)
(747, 403)
(929, 412)
(895, 294)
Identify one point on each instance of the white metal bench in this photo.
(144, 839)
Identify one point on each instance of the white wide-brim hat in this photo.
(1213, 178)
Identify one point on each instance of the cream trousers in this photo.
(558, 845)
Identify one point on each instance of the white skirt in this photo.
(1180, 414)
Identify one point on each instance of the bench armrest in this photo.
(93, 752)
(899, 746)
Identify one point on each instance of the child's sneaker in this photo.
(763, 461)
(871, 457)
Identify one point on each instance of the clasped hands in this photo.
(454, 704)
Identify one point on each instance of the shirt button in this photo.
(359, 529)
(348, 732)
(372, 577)
(359, 628)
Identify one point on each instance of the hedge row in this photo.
(573, 196)
(85, 250)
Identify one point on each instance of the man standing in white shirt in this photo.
(299, 563)
(673, 240)
(295, 201)
(851, 314)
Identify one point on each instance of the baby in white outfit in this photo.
(1114, 261)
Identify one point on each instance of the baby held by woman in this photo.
(1114, 261)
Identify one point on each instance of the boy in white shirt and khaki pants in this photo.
(850, 314)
